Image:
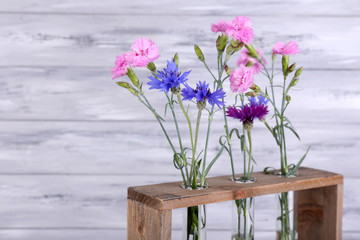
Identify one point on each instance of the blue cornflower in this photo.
(168, 79)
(202, 92)
(256, 109)
(259, 100)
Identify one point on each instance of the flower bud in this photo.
(233, 47)
(273, 56)
(288, 98)
(255, 88)
(176, 59)
(285, 64)
(249, 64)
(151, 66)
(128, 87)
(201, 105)
(221, 43)
(227, 70)
(294, 82)
(298, 72)
(292, 68)
(199, 53)
(131, 74)
(251, 94)
(252, 51)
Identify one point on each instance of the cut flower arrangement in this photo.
(208, 98)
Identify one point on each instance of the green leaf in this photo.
(269, 170)
(213, 161)
(293, 130)
(242, 141)
(199, 155)
(223, 143)
(166, 105)
(236, 131)
(288, 120)
(298, 164)
(177, 161)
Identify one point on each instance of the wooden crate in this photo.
(318, 201)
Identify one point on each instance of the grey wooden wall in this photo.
(71, 141)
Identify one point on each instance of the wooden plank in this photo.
(320, 212)
(98, 148)
(30, 203)
(92, 95)
(96, 234)
(202, 7)
(62, 234)
(113, 148)
(171, 196)
(145, 222)
(93, 41)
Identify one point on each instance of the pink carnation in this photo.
(290, 48)
(221, 26)
(144, 52)
(241, 79)
(121, 66)
(240, 29)
(244, 59)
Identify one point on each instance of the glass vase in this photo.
(286, 222)
(243, 219)
(194, 223)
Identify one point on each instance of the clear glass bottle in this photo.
(194, 219)
(194, 223)
(286, 222)
(243, 219)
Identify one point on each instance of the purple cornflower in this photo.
(256, 109)
(168, 79)
(201, 93)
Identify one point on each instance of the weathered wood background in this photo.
(72, 141)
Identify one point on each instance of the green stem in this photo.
(207, 67)
(250, 152)
(193, 167)
(277, 118)
(148, 105)
(202, 182)
(282, 126)
(227, 133)
(269, 128)
(245, 217)
(179, 138)
(190, 130)
(244, 152)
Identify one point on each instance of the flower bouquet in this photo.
(249, 63)
(250, 103)
(192, 164)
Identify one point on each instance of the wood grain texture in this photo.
(70, 138)
(167, 196)
(91, 95)
(102, 148)
(190, 8)
(99, 39)
(319, 212)
(145, 222)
